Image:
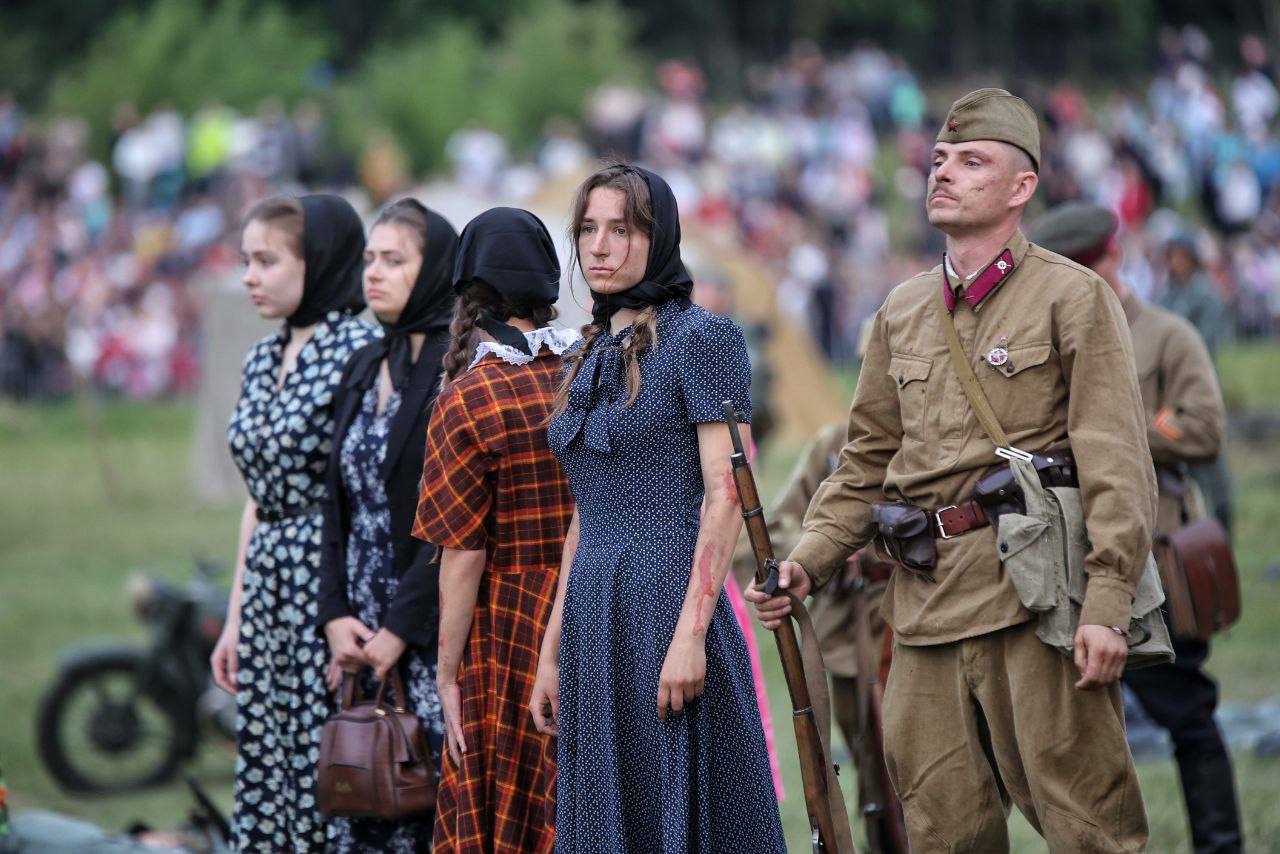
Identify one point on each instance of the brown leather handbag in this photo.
(374, 758)
(1202, 588)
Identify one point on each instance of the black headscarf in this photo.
(510, 250)
(430, 305)
(333, 251)
(665, 276)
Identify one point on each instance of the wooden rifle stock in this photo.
(828, 820)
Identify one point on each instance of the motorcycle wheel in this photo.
(99, 730)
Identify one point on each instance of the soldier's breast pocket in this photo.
(1027, 390)
(910, 374)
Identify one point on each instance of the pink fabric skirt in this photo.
(740, 610)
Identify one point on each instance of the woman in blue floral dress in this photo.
(379, 588)
(644, 673)
(302, 266)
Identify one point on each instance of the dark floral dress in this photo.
(629, 781)
(371, 586)
(280, 440)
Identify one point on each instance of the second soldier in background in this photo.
(1185, 424)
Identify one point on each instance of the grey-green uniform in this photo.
(1194, 298)
(978, 712)
(1185, 424)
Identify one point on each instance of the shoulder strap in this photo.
(972, 388)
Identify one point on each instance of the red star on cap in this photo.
(953, 124)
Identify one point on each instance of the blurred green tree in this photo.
(185, 55)
(542, 65)
(420, 92)
(550, 58)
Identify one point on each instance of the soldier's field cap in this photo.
(993, 114)
(1079, 230)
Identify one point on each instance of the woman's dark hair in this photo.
(473, 300)
(283, 212)
(409, 213)
(637, 211)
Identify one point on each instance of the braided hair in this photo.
(473, 300)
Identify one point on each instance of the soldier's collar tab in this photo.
(983, 285)
(992, 276)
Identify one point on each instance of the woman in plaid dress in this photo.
(496, 501)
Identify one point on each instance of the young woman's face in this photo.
(272, 273)
(613, 254)
(392, 260)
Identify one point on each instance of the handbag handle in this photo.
(350, 686)
(348, 691)
(393, 676)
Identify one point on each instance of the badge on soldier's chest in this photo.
(998, 356)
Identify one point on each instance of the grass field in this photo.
(69, 537)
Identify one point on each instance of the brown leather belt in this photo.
(1056, 468)
(956, 519)
(909, 533)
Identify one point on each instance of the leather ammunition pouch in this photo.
(907, 536)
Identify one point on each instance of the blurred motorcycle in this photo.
(120, 717)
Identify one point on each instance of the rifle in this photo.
(806, 678)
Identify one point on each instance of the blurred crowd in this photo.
(98, 260)
(819, 168)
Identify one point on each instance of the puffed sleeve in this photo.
(456, 488)
(715, 367)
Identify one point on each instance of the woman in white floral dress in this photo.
(303, 259)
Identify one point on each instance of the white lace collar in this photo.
(555, 340)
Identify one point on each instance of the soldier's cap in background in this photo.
(1080, 231)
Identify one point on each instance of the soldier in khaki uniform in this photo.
(978, 711)
(1185, 420)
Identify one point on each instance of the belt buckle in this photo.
(937, 519)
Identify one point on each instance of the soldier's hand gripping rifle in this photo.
(802, 666)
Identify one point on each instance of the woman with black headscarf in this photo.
(302, 260)
(378, 586)
(644, 674)
(496, 502)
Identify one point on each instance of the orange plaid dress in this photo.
(489, 482)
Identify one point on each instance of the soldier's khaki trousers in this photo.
(973, 724)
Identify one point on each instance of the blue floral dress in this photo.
(280, 440)
(371, 586)
(629, 781)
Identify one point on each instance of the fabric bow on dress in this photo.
(595, 396)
